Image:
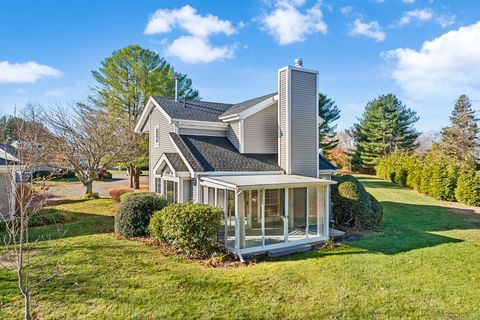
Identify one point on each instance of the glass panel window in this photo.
(312, 212)
(205, 195)
(158, 185)
(231, 219)
(170, 193)
(297, 214)
(221, 204)
(211, 196)
(274, 216)
(251, 216)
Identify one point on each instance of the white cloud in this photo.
(445, 66)
(288, 24)
(191, 49)
(186, 18)
(195, 47)
(346, 9)
(368, 29)
(26, 72)
(445, 20)
(418, 15)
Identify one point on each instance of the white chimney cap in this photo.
(299, 63)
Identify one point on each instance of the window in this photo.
(156, 136)
(158, 185)
(170, 190)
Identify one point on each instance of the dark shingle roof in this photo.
(219, 154)
(176, 161)
(324, 164)
(239, 107)
(192, 161)
(8, 148)
(193, 110)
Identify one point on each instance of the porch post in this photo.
(180, 190)
(237, 221)
(263, 217)
(327, 211)
(319, 208)
(225, 216)
(285, 223)
(307, 213)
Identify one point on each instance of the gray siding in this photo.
(187, 190)
(165, 145)
(282, 121)
(261, 131)
(202, 132)
(233, 133)
(5, 193)
(303, 123)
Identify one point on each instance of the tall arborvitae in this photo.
(329, 112)
(461, 137)
(385, 126)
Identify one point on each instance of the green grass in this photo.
(423, 264)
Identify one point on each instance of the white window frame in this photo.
(156, 136)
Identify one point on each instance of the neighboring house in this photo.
(8, 163)
(258, 160)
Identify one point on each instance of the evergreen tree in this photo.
(126, 80)
(461, 137)
(386, 125)
(468, 184)
(329, 112)
(131, 75)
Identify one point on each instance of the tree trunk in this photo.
(88, 187)
(137, 177)
(130, 174)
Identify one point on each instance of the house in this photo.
(258, 160)
(8, 164)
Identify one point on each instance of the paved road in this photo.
(76, 189)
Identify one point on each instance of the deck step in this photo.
(338, 235)
(288, 251)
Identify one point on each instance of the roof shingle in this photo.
(193, 110)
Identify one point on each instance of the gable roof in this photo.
(7, 154)
(219, 154)
(324, 164)
(192, 110)
(176, 161)
(242, 106)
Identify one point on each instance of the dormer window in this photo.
(156, 136)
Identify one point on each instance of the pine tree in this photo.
(461, 137)
(385, 126)
(329, 112)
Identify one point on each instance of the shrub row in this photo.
(189, 229)
(437, 175)
(353, 206)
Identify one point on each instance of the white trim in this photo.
(163, 158)
(281, 245)
(286, 215)
(317, 122)
(156, 136)
(216, 184)
(237, 173)
(325, 171)
(151, 104)
(288, 156)
(258, 107)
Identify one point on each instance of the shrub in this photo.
(468, 185)
(353, 206)
(188, 228)
(116, 193)
(133, 215)
(127, 195)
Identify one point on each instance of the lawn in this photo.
(424, 263)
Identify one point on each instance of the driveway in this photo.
(76, 189)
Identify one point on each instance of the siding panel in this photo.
(203, 132)
(5, 189)
(165, 145)
(233, 133)
(261, 131)
(303, 117)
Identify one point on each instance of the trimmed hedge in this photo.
(353, 206)
(438, 174)
(127, 195)
(133, 215)
(188, 228)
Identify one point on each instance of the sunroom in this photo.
(267, 212)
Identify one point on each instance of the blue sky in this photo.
(426, 52)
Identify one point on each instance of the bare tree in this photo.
(83, 138)
(23, 202)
